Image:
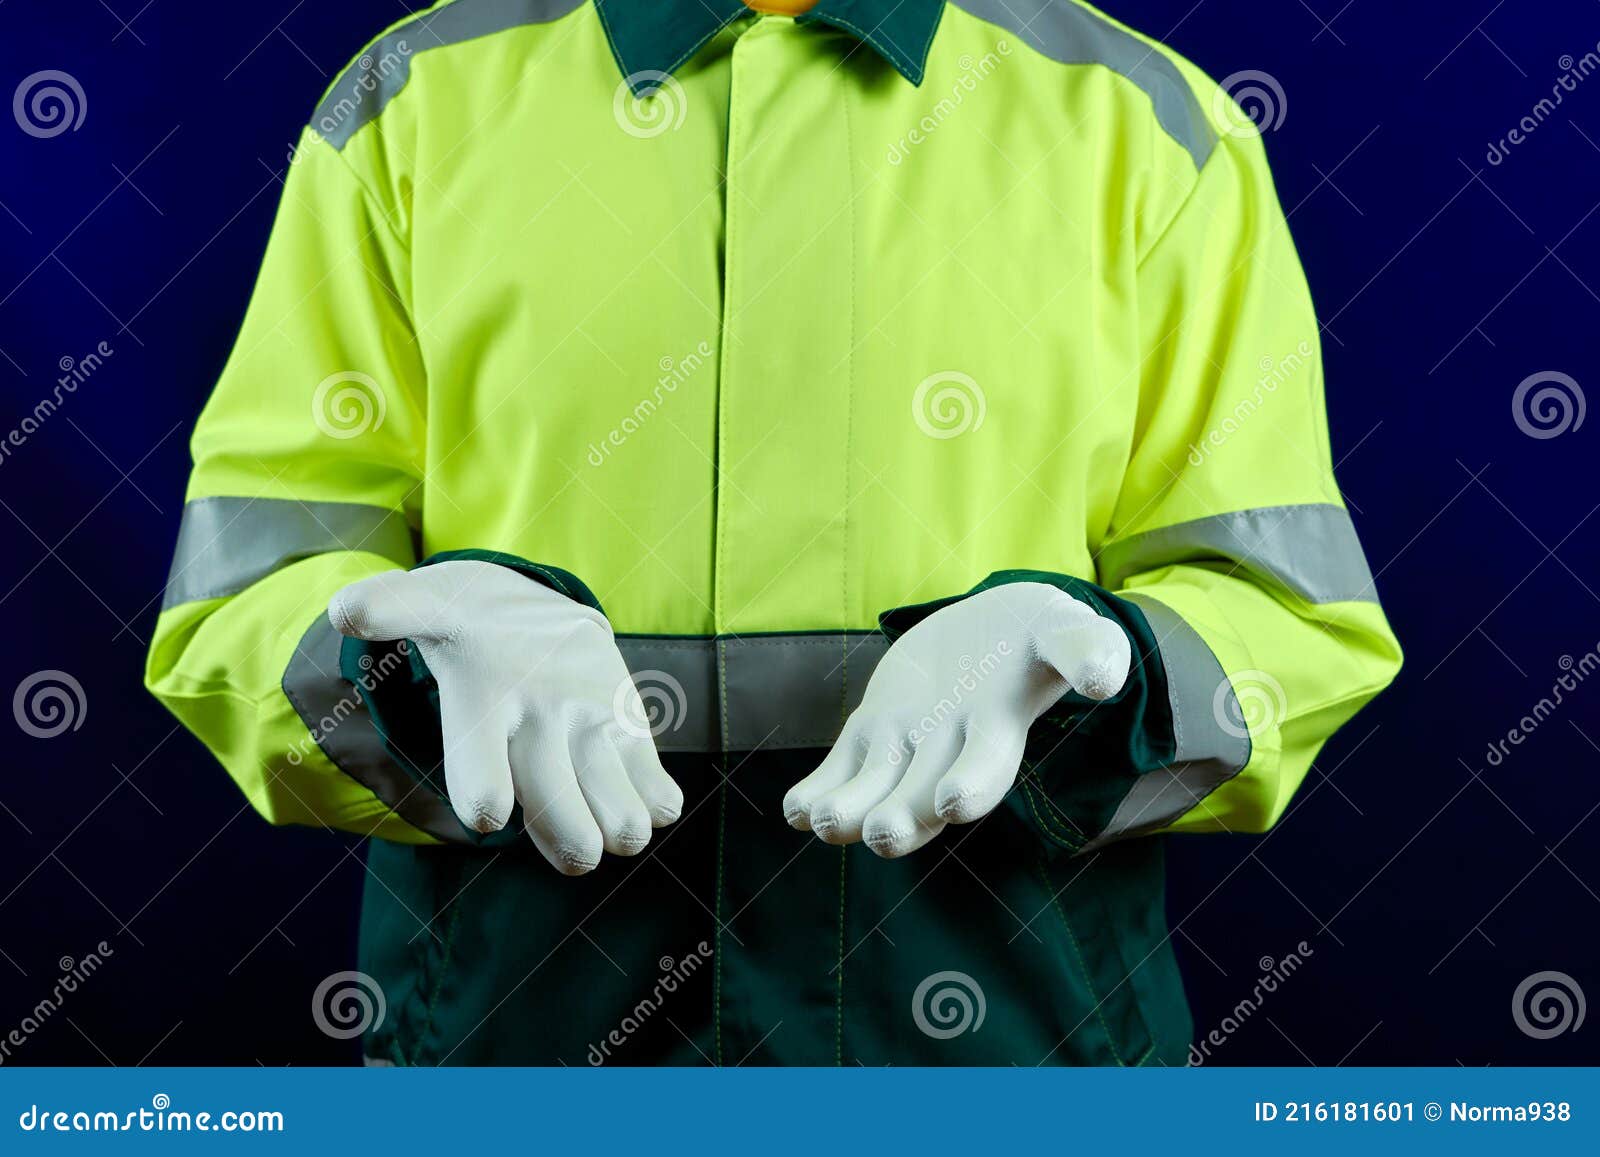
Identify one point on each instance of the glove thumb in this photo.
(381, 608)
(1091, 652)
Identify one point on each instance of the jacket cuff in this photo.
(1094, 772)
(404, 706)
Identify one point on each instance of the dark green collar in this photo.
(651, 38)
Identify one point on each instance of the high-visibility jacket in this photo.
(765, 335)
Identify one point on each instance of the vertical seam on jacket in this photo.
(844, 534)
(719, 528)
(716, 986)
(849, 410)
(1083, 967)
(722, 691)
(838, 1000)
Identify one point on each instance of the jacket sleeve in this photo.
(307, 473)
(1230, 558)
(1230, 535)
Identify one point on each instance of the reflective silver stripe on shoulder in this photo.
(381, 71)
(338, 720)
(751, 692)
(1208, 753)
(1066, 32)
(1311, 550)
(225, 544)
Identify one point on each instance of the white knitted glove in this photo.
(533, 696)
(938, 737)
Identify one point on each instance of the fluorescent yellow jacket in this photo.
(784, 344)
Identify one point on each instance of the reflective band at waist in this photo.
(781, 691)
(751, 692)
(1310, 549)
(225, 544)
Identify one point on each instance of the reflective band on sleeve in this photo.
(751, 692)
(338, 720)
(381, 71)
(1311, 550)
(1070, 34)
(1209, 754)
(225, 544)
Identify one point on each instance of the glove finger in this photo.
(396, 604)
(982, 774)
(555, 813)
(616, 807)
(907, 819)
(1091, 652)
(842, 762)
(662, 796)
(477, 767)
(837, 816)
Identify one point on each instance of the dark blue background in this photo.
(1427, 883)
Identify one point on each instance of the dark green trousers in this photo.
(734, 940)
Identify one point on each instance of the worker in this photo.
(768, 517)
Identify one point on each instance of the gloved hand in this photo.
(938, 737)
(533, 698)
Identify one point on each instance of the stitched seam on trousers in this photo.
(716, 987)
(1083, 966)
(838, 1008)
(444, 968)
(1122, 958)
